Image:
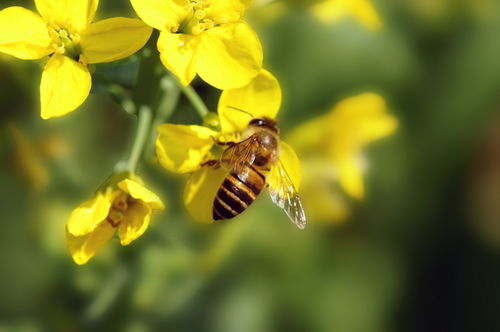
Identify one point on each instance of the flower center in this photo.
(197, 22)
(118, 209)
(65, 41)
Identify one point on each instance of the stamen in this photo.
(63, 34)
(197, 29)
(58, 48)
(172, 27)
(115, 217)
(119, 208)
(64, 41)
(83, 60)
(200, 14)
(220, 20)
(208, 24)
(120, 202)
(131, 200)
(75, 38)
(197, 22)
(53, 33)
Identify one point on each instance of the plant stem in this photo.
(167, 105)
(146, 98)
(141, 136)
(108, 295)
(193, 97)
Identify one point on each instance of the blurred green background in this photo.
(420, 253)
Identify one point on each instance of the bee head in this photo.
(265, 122)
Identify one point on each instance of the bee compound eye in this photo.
(257, 122)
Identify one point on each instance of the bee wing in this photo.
(284, 194)
(237, 156)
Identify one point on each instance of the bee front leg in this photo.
(215, 164)
(219, 143)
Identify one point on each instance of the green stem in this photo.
(167, 105)
(171, 94)
(193, 97)
(141, 137)
(108, 295)
(146, 98)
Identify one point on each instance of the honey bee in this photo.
(249, 162)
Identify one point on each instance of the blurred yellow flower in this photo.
(182, 149)
(66, 32)
(329, 11)
(125, 207)
(335, 141)
(322, 200)
(207, 37)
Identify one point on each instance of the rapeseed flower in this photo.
(64, 30)
(124, 207)
(184, 148)
(204, 37)
(331, 148)
(329, 11)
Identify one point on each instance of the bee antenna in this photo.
(240, 110)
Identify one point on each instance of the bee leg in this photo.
(219, 143)
(215, 164)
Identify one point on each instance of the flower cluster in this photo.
(208, 38)
(65, 31)
(204, 37)
(122, 205)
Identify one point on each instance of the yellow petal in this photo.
(324, 205)
(261, 97)
(229, 56)
(322, 201)
(291, 163)
(310, 135)
(140, 192)
(200, 192)
(65, 85)
(23, 34)
(381, 126)
(330, 11)
(135, 223)
(181, 149)
(114, 39)
(86, 217)
(78, 13)
(365, 13)
(361, 119)
(350, 175)
(83, 248)
(227, 10)
(161, 14)
(177, 53)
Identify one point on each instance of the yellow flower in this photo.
(66, 32)
(329, 11)
(125, 207)
(336, 139)
(204, 37)
(322, 200)
(182, 149)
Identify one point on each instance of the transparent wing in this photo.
(284, 194)
(237, 156)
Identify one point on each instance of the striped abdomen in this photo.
(237, 192)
